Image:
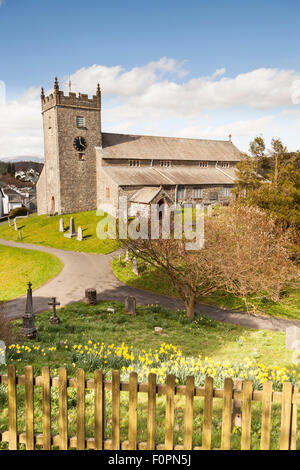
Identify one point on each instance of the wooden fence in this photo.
(289, 400)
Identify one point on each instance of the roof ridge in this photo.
(168, 137)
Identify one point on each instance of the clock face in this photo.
(80, 144)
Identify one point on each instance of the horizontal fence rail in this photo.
(288, 399)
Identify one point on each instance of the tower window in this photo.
(81, 157)
(79, 121)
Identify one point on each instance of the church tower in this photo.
(72, 130)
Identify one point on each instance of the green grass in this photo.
(155, 281)
(43, 230)
(18, 266)
(81, 323)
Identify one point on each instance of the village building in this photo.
(85, 167)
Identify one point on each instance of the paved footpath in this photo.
(89, 270)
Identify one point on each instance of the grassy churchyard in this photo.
(19, 266)
(150, 279)
(44, 230)
(89, 337)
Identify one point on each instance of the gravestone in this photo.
(29, 329)
(2, 352)
(127, 259)
(15, 224)
(54, 319)
(135, 268)
(120, 259)
(72, 232)
(130, 305)
(292, 334)
(9, 221)
(79, 236)
(91, 296)
(111, 310)
(61, 225)
(20, 235)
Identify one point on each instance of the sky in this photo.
(194, 69)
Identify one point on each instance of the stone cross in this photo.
(80, 236)
(61, 225)
(2, 352)
(127, 259)
(15, 224)
(292, 334)
(29, 329)
(130, 305)
(72, 232)
(135, 268)
(54, 319)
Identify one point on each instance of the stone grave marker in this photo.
(135, 268)
(127, 259)
(130, 305)
(72, 232)
(61, 225)
(91, 296)
(292, 334)
(20, 234)
(54, 319)
(158, 329)
(29, 329)
(15, 224)
(8, 219)
(2, 352)
(111, 310)
(80, 235)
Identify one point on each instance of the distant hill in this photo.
(22, 165)
(22, 158)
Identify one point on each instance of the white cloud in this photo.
(161, 99)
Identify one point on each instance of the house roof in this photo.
(166, 148)
(151, 176)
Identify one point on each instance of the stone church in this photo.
(85, 167)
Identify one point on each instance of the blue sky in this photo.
(244, 52)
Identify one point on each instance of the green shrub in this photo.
(18, 212)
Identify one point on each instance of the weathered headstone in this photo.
(61, 225)
(91, 296)
(236, 416)
(127, 259)
(158, 329)
(292, 334)
(72, 232)
(80, 235)
(135, 268)
(130, 305)
(54, 319)
(8, 219)
(29, 329)
(15, 224)
(120, 259)
(111, 310)
(2, 352)
(20, 234)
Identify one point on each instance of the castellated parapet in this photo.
(58, 98)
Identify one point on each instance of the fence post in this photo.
(46, 408)
(170, 409)
(99, 410)
(80, 378)
(116, 410)
(188, 413)
(63, 408)
(266, 416)
(246, 415)
(236, 419)
(12, 407)
(132, 427)
(226, 414)
(29, 408)
(286, 414)
(207, 413)
(151, 411)
(293, 436)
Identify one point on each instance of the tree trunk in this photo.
(190, 308)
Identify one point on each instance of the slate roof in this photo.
(167, 148)
(145, 195)
(151, 176)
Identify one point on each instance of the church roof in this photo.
(145, 195)
(168, 148)
(150, 176)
